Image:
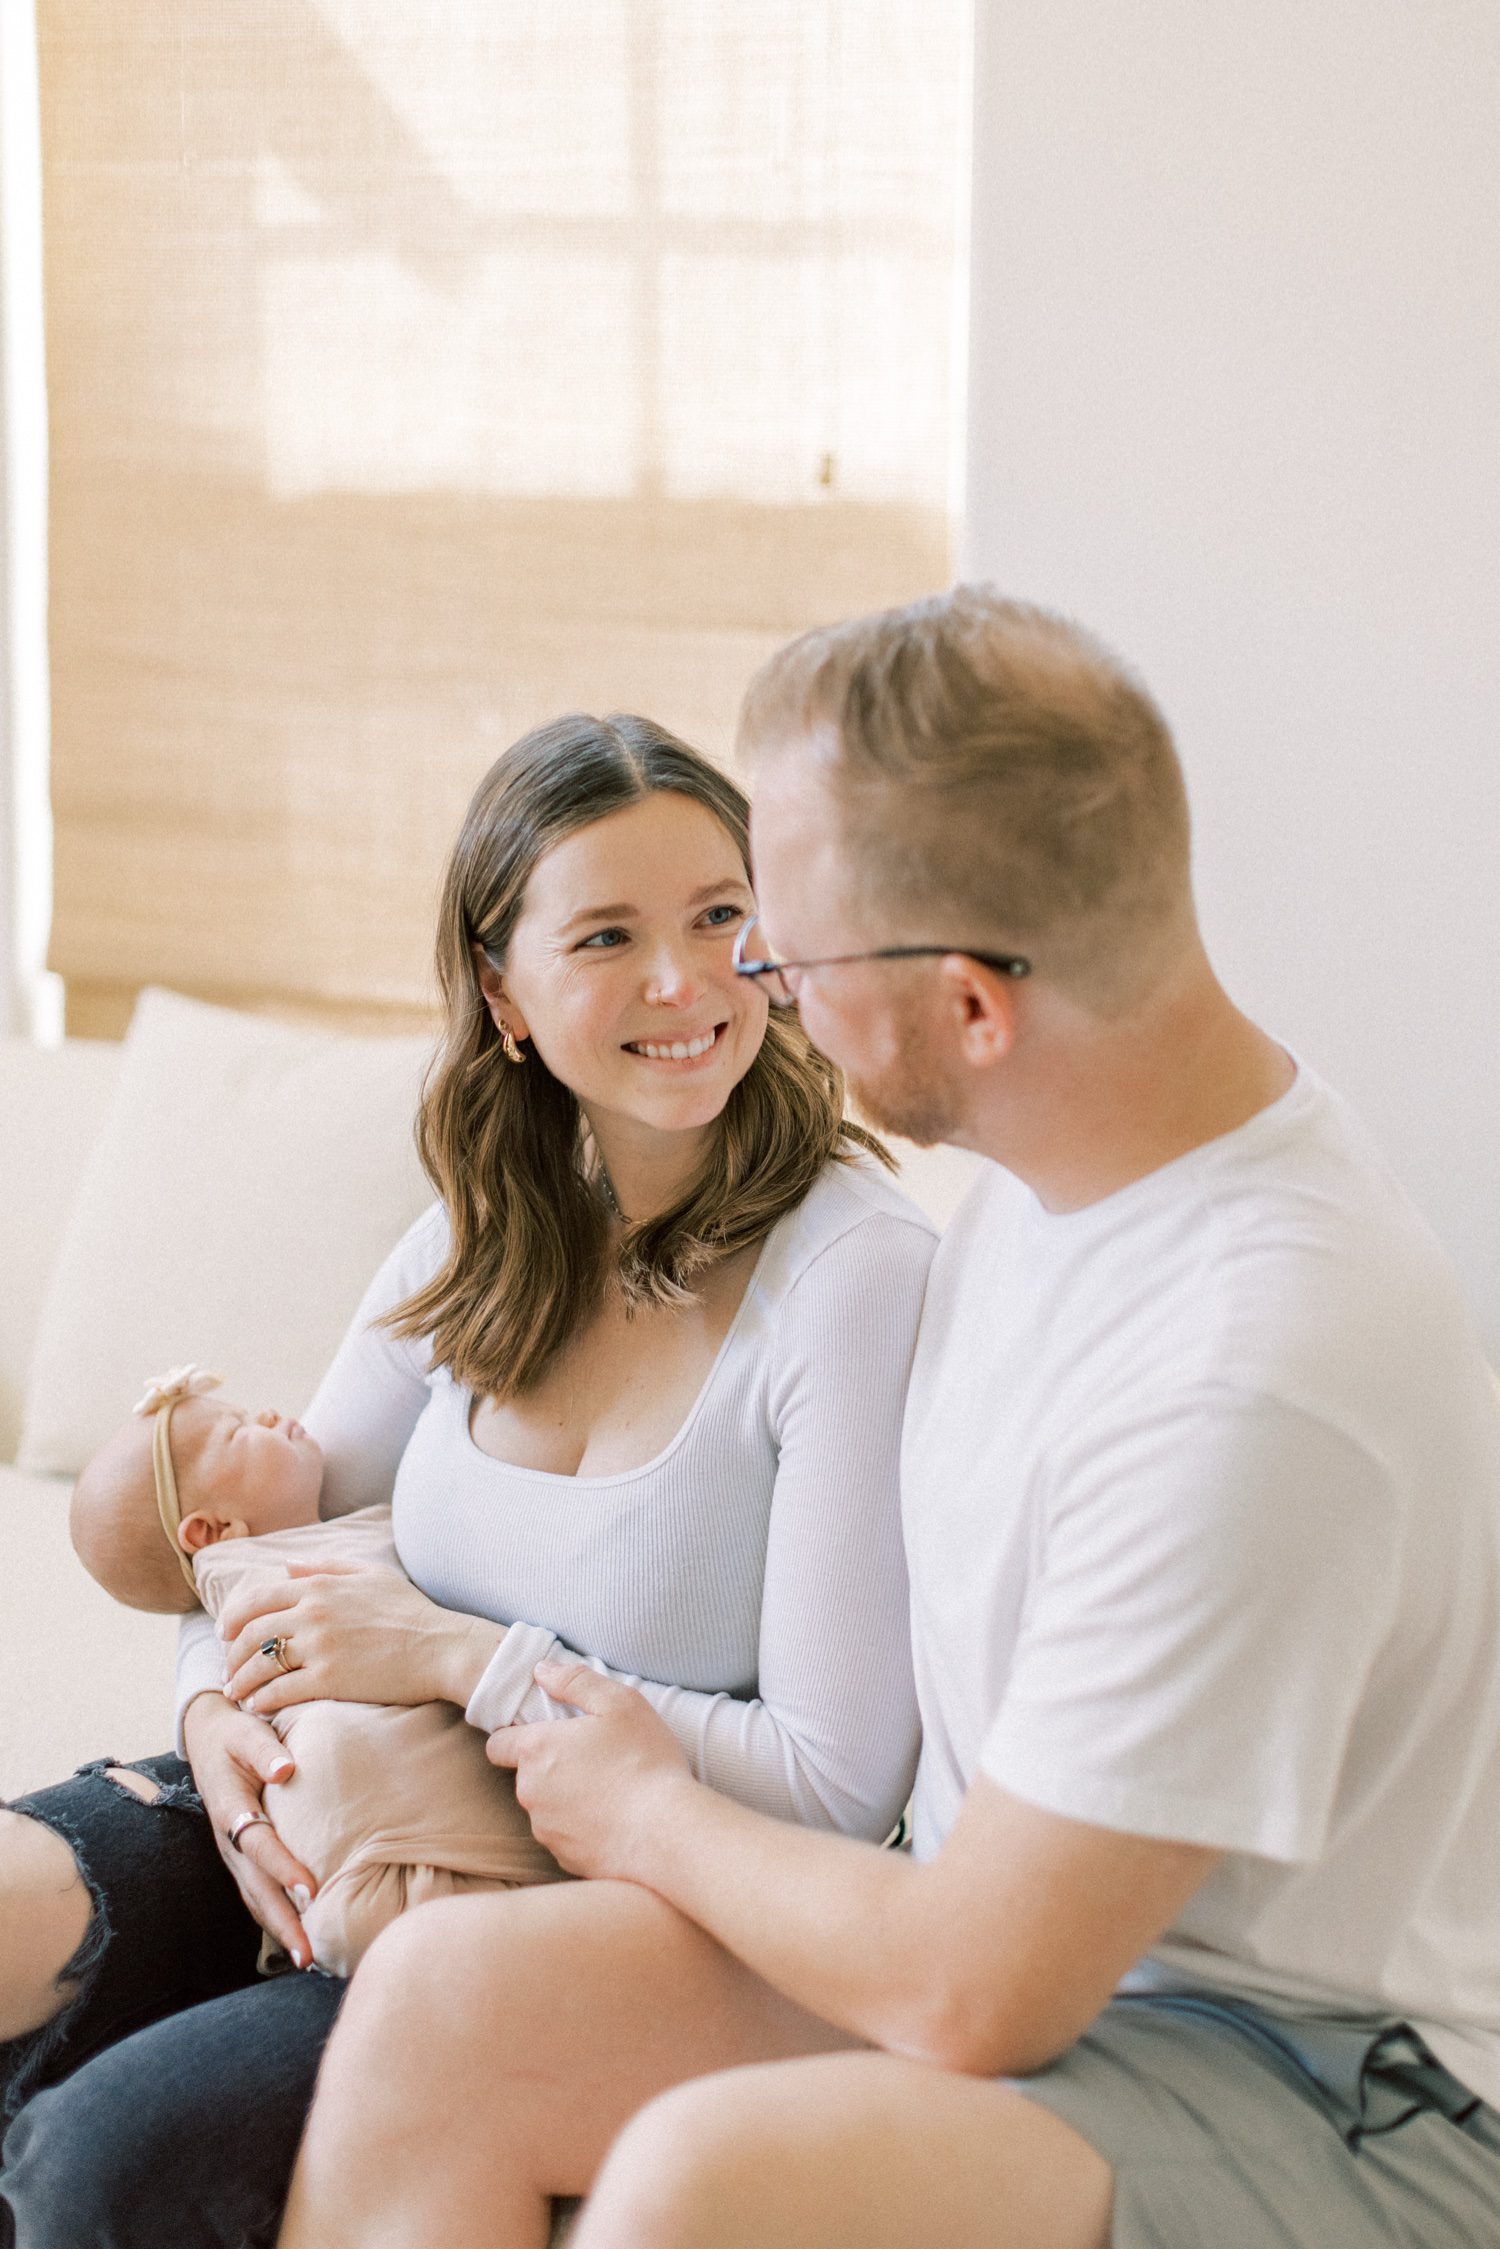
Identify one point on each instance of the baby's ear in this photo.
(196, 1531)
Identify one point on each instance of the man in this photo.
(1200, 1936)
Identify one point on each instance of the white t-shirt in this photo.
(1201, 1489)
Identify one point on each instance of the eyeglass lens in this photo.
(774, 980)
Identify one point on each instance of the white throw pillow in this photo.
(248, 1181)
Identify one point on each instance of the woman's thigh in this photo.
(184, 2133)
(163, 1925)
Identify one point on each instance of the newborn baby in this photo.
(390, 1804)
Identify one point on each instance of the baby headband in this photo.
(162, 1396)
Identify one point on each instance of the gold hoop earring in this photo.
(509, 1048)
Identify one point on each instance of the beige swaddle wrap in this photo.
(391, 1804)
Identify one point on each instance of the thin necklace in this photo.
(611, 1202)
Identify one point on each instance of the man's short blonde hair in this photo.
(1004, 783)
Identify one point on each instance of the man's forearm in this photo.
(990, 1958)
(830, 1922)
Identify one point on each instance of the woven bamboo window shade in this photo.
(420, 371)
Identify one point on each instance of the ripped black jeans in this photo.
(164, 2104)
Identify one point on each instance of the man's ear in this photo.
(982, 1004)
(503, 1011)
(198, 1530)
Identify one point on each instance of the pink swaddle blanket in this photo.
(390, 1804)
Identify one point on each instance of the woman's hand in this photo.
(593, 1785)
(357, 1635)
(233, 1756)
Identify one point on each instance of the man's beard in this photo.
(913, 1102)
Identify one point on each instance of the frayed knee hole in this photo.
(46, 1914)
(33, 1856)
(133, 1783)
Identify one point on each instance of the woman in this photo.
(634, 1388)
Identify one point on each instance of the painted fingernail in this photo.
(300, 1956)
(281, 1768)
(300, 1895)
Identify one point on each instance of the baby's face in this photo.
(262, 1469)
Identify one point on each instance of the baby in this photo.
(390, 1804)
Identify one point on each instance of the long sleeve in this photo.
(367, 1404)
(830, 1736)
(362, 1414)
(200, 1664)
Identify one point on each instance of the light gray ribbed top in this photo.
(749, 1579)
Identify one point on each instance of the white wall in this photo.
(29, 999)
(1235, 402)
(8, 981)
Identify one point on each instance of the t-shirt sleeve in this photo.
(830, 1737)
(362, 1414)
(1216, 1582)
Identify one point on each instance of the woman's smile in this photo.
(679, 1053)
(620, 975)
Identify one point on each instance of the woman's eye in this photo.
(603, 941)
(720, 917)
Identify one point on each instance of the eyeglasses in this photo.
(782, 980)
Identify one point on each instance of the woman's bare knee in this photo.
(44, 1916)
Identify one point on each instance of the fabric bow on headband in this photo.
(162, 1395)
(190, 1381)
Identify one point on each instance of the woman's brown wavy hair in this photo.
(507, 1148)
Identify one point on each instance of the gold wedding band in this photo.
(246, 1819)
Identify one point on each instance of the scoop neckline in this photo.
(677, 1439)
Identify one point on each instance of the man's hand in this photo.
(353, 1634)
(596, 1784)
(232, 1757)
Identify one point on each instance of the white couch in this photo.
(81, 1677)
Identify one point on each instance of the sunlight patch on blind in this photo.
(417, 373)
